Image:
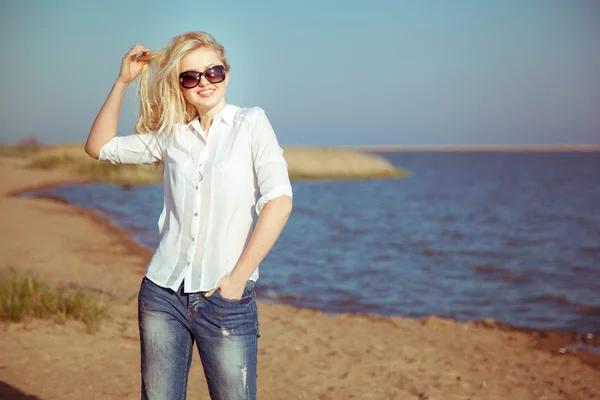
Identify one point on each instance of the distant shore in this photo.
(482, 148)
(303, 164)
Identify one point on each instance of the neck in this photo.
(205, 116)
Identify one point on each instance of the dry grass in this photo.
(23, 297)
(74, 159)
(304, 164)
(24, 148)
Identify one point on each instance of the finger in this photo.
(146, 56)
(139, 48)
(134, 56)
(135, 50)
(210, 293)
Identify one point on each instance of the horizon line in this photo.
(476, 147)
(423, 147)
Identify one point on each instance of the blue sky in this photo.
(326, 72)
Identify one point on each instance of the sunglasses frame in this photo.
(201, 74)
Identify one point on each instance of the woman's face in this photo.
(206, 95)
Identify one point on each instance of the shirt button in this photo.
(188, 263)
(195, 214)
(196, 187)
(193, 239)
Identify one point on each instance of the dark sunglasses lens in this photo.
(189, 79)
(215, 74)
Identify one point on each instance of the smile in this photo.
(206, 93)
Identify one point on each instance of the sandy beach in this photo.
(303, 354)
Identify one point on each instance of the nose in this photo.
(204, 81)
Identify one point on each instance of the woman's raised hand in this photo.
(131, 66)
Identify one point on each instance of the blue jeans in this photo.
(225, 332)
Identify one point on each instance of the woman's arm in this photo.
(105, 125)
(270, 223)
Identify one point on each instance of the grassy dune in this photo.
(304, 164)
(327, 163)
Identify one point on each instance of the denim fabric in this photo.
(225, 332)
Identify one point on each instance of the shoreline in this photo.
(125, 237)
(585, 345)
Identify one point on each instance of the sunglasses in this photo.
(191, 79)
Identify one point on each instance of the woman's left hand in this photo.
(229, 288)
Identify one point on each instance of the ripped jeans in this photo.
(225, 332)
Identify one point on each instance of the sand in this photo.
(303, 354)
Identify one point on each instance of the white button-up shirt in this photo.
(214, 186)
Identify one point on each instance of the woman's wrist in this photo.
(238, 278)
(120, 84)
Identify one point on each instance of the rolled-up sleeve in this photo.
(269, 163)
(142, 148)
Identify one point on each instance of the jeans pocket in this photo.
(237, 316)
(247, 296)
(246, 299)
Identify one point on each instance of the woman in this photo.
(222, 166)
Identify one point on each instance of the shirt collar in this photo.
(226, 115)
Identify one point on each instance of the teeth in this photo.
(206, 92)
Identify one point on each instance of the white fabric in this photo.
(214, 186)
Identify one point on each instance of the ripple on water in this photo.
(560, 300)
(581, 268)
(590, 250)
(304, 211)
(589, 310)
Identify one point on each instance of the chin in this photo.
(208, 103)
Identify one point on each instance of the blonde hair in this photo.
(162, 104)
